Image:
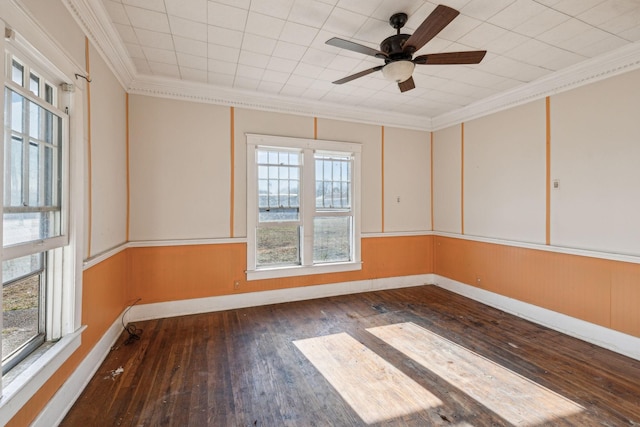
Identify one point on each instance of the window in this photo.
(34, 207)
(303, 214)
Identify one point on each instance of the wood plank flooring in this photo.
(417, 356)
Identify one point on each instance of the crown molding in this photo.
(93, 19)
(95, 22)
(206, 93)
(622, 60)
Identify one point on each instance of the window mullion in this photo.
(308, 206)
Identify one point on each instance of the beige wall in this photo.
(179, 169)
(407, 180)
(447, 197)
(108, 159)
(504, 175)
(595, 153)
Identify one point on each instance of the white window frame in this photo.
(308, 147)
(64, 301)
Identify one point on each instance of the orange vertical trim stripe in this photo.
(233, 166)
(127, 164)
(89, 170)
(461, 178)
(382, 175)
(548, 191)
(431, 159)
(315, 128)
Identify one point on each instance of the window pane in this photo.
(48, 93)
(17, 108)
(20, 302)
(333, 182)
(278, 185)
(34, 84)
(30, 226)
(331, 239)
(17, 73)
(13, 172)
(278, 245)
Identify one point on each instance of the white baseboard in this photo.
(253, 299)
(65, 397)
(604, 337)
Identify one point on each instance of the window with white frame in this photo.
(303, 206)
(35, 202)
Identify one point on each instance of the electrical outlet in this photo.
(236, 284)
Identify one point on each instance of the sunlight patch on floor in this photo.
(511, 396)
(375, 389)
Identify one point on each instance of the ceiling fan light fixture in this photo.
(398, 71)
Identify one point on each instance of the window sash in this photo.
(311, 150)
(59, 172)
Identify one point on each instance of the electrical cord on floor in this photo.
(134, 333)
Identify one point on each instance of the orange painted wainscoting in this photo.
(596, 290)
(104, 296)
(168, 273)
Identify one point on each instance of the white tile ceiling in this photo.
(277, 47)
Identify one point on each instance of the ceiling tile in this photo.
(127, 34)
(300, 81)
(318, 57)
(280, 64)
(308, 70)
(224, 36)
(189, 29)
(148, 20)
(253, 59)
(196, 12)
(269, 87)
(242, 4)
(483, 10)
(156, 5)
(608, 10)
(481, 36)
(191, 47)
(575, 7)
(373, 32)
(342, 22)
(288, 50)
(358, 6)
(263, 25)
(568, 30)
(117, 12)
(160, 55)
(388, 8)
(194, 74)
(275, 76)
(276, 8)
(298, 33)
(154, 39)
(461, 26)
(250, 72)
(225, 16)
(135, 50)
(310, 12)
(168, 70)
(516, 13)
(623, 25)
(541, 22)
(223, 53)
(222, 67)
(142, 66)
(258, 44)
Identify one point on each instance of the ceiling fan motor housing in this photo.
(393, 45)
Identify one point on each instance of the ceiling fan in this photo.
(397, 50)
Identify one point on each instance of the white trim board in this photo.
(595, 334)
(254, 299)
(57, 408)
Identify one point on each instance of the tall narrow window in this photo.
(302, 206)
(33, 206)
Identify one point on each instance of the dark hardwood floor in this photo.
(410, 357)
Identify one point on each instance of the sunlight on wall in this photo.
(516, 399)
(375, 389)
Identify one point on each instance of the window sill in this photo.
(299, 270)
(24, 380)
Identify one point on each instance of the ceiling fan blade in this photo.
(355, 47)
(357, 75)
(407, 85)
(435, 22)
(469, 57)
